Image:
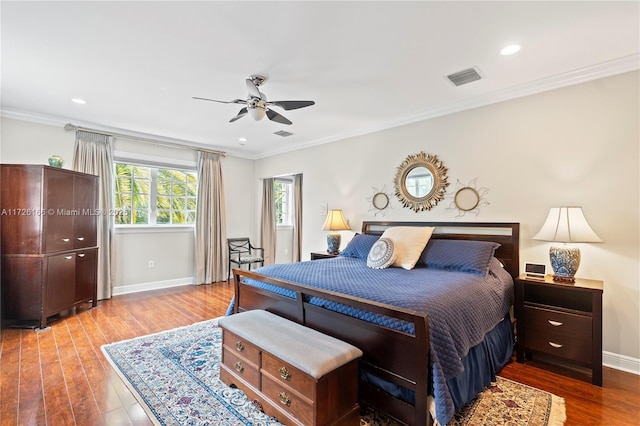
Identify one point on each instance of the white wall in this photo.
(170, 249)
(578, 145)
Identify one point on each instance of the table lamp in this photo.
(566, 225)
(335, 222)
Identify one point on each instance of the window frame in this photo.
(289, 202)
(153, 167)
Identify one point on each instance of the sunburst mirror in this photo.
(421, 181)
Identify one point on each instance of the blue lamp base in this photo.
(565, 262)
(333, 243)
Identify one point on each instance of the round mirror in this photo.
(380, 201)
(421, 181)
(467, 199)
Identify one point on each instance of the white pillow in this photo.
(409, 242)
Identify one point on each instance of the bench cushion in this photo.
(308, 350)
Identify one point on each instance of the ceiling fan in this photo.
(257, 105)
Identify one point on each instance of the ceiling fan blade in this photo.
(274, 116)
(241, 114)
(252, 88)
(287, 105)
(235, 101)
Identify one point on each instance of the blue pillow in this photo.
(459, 255)
(359, 246)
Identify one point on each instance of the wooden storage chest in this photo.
(294, 373)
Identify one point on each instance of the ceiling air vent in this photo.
(283, 133)
(464, 76)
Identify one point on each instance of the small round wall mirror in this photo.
(421, 181)
(380, 201)
(467, 199)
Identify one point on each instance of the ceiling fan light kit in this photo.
(257, 105)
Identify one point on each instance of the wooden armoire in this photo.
(48, 228)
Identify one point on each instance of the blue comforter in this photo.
(462, 307)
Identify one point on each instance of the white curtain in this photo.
(268, 222)
(211, 227)
(297, 217)
(93, 154)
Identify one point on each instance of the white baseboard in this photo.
(621, 362)
(154, 285)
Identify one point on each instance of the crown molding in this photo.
(60, 122)
(583, 75)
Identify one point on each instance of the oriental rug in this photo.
(174, 375)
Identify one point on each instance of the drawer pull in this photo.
(556, 345)
(239, 367)
(554, 323)
(80, 238)
(68, 257)
(285, 374)
(284, 399)
(80, 254)
(66, 240)
(239, 346)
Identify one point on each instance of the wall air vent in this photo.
(283, 133)
(464, 76)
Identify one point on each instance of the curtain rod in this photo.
(69, 127)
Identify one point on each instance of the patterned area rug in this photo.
(175, 376)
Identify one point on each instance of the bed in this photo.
(402, 368)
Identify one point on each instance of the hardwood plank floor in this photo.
(59, 376)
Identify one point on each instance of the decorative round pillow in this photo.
(382, 254)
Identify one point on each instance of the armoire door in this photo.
(60, 282)
(85, 201)
(58, 204)
(86, 274)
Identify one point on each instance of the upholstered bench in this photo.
(294, 373)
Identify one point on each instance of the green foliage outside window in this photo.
(147, 195)
(282, 200)
(176, 201)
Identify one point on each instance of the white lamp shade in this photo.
(335, 221)
(567, 225)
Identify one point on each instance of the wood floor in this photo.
(59, 376)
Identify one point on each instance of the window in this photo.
(283, 195)
(146, 195)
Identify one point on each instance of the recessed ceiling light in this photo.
(78, 101)
(242, 139)
(511, 49)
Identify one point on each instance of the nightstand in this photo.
(322, 255)
(560, 323)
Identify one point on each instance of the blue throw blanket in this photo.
(462, 307)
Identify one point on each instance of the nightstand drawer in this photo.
(562, 323)
(560, 345)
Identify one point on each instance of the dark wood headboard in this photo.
(507, 234)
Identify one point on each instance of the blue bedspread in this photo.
(462, 307)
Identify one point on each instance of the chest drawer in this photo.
(240, 366)
(558, 322)
(241, 346)
(283, 372)
(560, 345)
(288, 400)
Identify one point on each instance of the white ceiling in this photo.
(367, 65)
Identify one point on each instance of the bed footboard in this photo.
(392, 355)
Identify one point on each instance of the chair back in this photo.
(239, 245)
